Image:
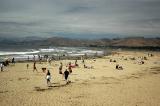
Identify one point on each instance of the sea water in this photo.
(29, 54)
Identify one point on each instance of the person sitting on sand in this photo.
(66, 74)
(112, 60)
(48, 78)
(34, 67)
(60, 68)
(89, 67)
(44, 69)
(119, 67)
(141, 62)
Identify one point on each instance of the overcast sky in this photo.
(80, 18)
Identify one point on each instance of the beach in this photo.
(102, 85)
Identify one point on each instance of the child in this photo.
(48, 77)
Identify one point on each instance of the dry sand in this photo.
(135, 85)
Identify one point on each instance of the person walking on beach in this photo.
(60, 68)
(13, 60)
(34, 67)
(1, 65)
(27, 66)
(70, 67)
(48, 78)
(66, 74)
(76, 63)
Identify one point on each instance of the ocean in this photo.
(29, 54)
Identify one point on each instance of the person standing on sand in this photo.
(66, 74)
(60, 68)
(34, 67)
(28, 58)
(13, 60)
(1, 65)
(70, 67)
(83, 61)
(27, 66)
(48, 78)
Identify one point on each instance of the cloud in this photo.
(79, 17)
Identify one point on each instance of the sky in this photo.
(80, 18)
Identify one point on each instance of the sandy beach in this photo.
(104, 85)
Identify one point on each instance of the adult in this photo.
(60, 68)
(13, 60)
(34, 67)
(1, 65)
(48, 78)
(70, 68)
(66, 74)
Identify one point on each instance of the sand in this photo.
(135, 85)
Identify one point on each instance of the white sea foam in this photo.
(55, 51)
(17, 53)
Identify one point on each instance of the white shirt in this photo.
(1, 65)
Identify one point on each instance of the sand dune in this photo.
(135, 85)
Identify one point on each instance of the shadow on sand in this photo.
(51, 87)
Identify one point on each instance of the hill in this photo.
(58, 41)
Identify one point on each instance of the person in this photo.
(39, 57)
(119, 67)
(76, 63)
(7, 63)
(60, 68)
(13, 60)
(1, 65)
(89, 67)
(34, 58)
(27, 66)
(50, 60)
(66, 74)
(70, 67)
(34, 67)
(48, 78)
(83, 61)
(28, 58)
(44, 69)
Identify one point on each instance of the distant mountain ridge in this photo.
(59, 41)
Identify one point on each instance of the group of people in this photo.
(118, 67)
(48, 74)
(6, 63)
(65, 74)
